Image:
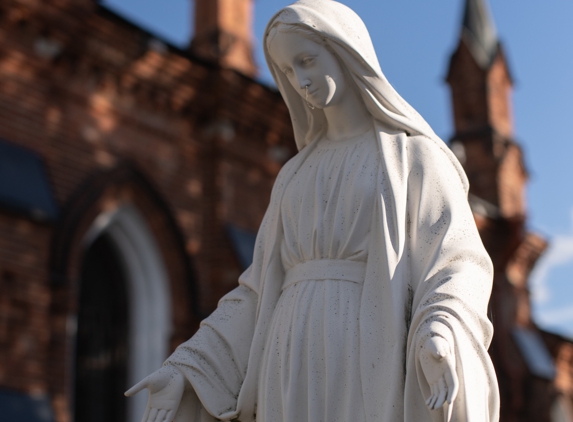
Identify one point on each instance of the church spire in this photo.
(479, 32)
(481, 87)
(479, 76)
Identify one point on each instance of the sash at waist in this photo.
(326, 269)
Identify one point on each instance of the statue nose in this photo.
(303, 81)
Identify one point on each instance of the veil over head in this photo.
(346, 35)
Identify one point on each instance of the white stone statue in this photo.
(367, 297)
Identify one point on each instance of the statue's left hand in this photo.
(439, 366)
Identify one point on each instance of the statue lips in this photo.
(311, 94)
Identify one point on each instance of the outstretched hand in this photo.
(439, 367)
(165, 387)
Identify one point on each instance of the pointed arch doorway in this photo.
(124, 316)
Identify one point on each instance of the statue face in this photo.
(308, 63)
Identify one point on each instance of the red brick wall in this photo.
(24, 304)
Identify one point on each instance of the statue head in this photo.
(308, 64)
(344, 58)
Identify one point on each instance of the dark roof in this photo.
(24, 185)
(479, 32)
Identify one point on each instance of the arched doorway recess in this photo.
(123, 236)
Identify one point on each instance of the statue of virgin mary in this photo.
(367, 297)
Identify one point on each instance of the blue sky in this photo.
(414, 40)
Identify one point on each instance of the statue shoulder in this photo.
(423, 150)
(286, 170)
(433, 156)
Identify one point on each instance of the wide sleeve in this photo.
(450, 282)
(214, 360)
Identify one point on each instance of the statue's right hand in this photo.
(165, 387)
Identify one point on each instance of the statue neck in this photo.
(347, 118)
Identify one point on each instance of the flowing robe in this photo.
(426, 273)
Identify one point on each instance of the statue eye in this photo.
(287, 71)
(307, 61)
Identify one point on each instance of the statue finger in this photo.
(160, 415)
(449, 411)
(152, 415)
(146, 414)
(453, 386)
(169, 416)
(144, 383)
(442, 395)
(429, 399)
(432, 399)
(434, 396)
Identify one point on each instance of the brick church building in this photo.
(134, 175)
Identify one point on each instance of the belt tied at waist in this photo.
(326, 269)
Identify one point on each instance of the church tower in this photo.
(481, 85)
(223, 34)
